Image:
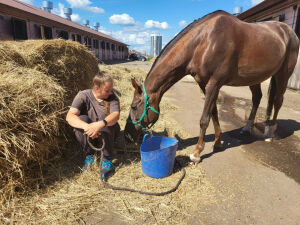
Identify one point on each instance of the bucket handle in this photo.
(147, 135)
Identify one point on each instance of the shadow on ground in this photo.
(283, 153)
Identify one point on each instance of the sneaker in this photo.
(107, 168)
(89, 160)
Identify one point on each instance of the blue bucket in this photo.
(158, 155)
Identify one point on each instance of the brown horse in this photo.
(218, 50)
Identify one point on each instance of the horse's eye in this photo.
(133, 107)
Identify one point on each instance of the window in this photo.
(113, 47)
(37, 32)
(88, 42)
(107, 46)
(62, 34)
(96, 44)
(73, 37)
(43, 32)
(297, 28)
(78, 38)
(19, 29)
(102, 44)
(48, 32)
(120, 49)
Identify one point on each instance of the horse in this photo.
(219, 49)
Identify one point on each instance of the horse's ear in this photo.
(136, 85)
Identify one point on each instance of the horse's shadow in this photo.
(234, 138)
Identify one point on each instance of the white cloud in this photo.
(137, 27)
(85, 5)
(122, 19)
(182, 23)
(139, 41)
(104, 30)
(132, 38)
(79, 3)
(75, 18)
(27, 1)
(255, 2)
(155, 24)
(60, 12)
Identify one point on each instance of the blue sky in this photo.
(133, 21)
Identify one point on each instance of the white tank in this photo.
(47, 6)
(237, 10)
(96, 25)
(68, 13)
(86, 22)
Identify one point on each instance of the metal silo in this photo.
(237, 10)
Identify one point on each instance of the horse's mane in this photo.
(181, 34)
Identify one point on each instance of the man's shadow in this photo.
(234, 138)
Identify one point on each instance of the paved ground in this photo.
(257, 182)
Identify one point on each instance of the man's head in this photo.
(102, 85)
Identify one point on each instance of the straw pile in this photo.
(38, 79)
(81, 199)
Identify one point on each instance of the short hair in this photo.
(101, 78)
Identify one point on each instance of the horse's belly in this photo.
(258, 63)
(248, 80)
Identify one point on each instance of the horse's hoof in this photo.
(219, 145)
(194, 159)
(268, 139)
(245, 131)
(270, 133)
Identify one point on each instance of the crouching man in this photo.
(95, 113)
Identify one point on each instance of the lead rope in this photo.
(107, 185)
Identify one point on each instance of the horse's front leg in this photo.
(215, 119)
(211, 91)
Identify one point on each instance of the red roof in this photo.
(264, 5)
(50, 16)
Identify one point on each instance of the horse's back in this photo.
(258, 49)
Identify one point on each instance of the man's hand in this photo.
(92, 129)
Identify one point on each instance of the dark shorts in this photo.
(109, 134)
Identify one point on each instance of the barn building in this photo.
(286, 11)
(20, 21)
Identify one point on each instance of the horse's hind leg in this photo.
(272, 92)
(256, 97)
(278, 100)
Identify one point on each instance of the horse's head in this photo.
(144, 111)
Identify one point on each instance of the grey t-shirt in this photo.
(88, 105)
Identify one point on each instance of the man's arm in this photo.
(112, 118)
(73, 119)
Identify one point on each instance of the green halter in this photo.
(146, 108)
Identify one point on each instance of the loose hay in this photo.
(82, 199)
(38, 79)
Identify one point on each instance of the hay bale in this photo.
(30, 104)
(71, 63)
(38, 80)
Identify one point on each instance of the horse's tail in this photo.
(271, 94)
